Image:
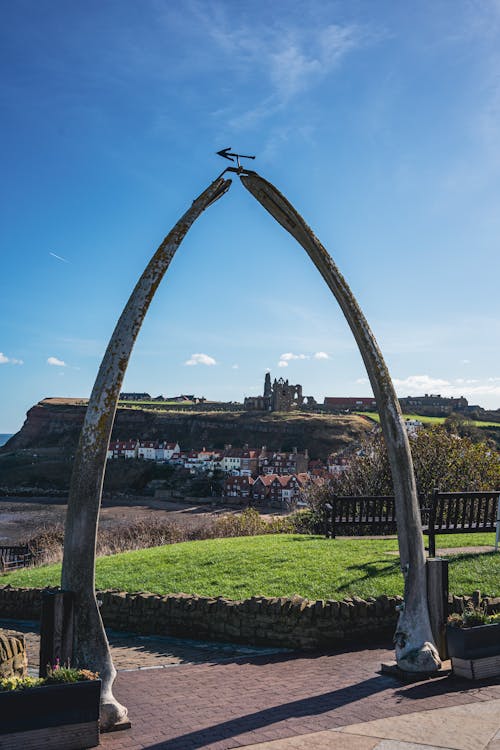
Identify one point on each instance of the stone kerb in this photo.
(280, 621)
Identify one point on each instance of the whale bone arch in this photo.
(415, 650)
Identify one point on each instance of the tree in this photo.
(441, 460)
(458, 424)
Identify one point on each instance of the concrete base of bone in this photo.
(113, 716)
(423, 659)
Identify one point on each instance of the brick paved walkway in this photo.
(256, 700)
(132, 651)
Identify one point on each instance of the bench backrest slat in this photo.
(447, 512)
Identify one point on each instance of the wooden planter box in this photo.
(476, 669)
(52, 717)
(474, 643)
(475, 652)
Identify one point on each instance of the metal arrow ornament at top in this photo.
(226, 154)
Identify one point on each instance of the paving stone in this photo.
(457, 727)
(320, 741)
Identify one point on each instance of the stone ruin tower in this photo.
(285, 396)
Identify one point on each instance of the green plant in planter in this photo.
(19, 683)
(473, 617)
(56, 675)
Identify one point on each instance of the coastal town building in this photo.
(123, 449)
(276, 462)
(433, 405)
(348, 403)
(240, 486)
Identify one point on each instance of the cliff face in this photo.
(57, 422)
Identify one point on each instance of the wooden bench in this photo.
(12, 558)
(343, 513)
(445, 513)
(461, 513)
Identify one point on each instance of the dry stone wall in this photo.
(286, 622)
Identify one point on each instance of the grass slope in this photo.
(426, 420)
(279, 565)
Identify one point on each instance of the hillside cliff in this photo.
(57, 423)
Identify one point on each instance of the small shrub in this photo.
(58, 674)
(47, 544)
(19, 683)
(472, 617)
(55, 676)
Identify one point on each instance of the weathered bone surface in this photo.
(415, 650)
(90, 646)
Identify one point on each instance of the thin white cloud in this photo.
(321, 355)
(471, 388)
(288, 356)
(416, 384)
(291, 58)
(200, 359)
(59, 257)
(282, 363)
(4, 360)
(235, 367)
(295, 66)
(55, 362)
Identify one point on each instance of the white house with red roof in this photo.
(148, 450)
(169, 449)
(122, 449)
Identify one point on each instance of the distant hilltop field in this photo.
(56, 422)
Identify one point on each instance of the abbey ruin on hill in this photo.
(278, 396)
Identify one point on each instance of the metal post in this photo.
(437, 599)
(497, 537)
(56, 629)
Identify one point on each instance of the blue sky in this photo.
(379, 121)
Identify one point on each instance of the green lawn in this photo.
(279, 565)
(425, 420)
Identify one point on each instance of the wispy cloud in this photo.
(4, 360)
(235, 367)
(290, 356)
(415, 384)
(59, 257)
(200, 359)
(55, 362)
(289, 58)
(473, 389)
